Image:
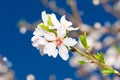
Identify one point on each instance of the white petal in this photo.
(50, 49)
(41, 47)
(72, 28)
(61, 33)
(63, 52)
(42, 41)
(44, 17)
(50, 36)
(34, 38)
(69, 42)
(35, 44)
(65, 23)
(38, 31)
(38, 41)
(55, 22)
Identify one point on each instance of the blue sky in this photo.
(17, 47)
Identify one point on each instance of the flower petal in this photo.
(38, 31)
(34, 38)
(64, 22)
(42, 41)
(63, 52)
(61, 33)
(69, 42)
(50, 49)
(38, 41)
(72, 28)
(49, 36)
(35, 44)
(55, 22)
(44, 17)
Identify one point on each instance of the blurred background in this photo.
(19, 60)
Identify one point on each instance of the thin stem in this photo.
(109, 9)
(95, 60)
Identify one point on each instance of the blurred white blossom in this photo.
(30, 77)
(116, 7)
(96, 2)
(111, 57)
(5, 72)
(75, 58)
(68, 79)
(23, 30)
(52, 77)
(97, 25)
(74, 62)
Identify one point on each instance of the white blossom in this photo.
(55, 41)
(53, 44)
(57, 44)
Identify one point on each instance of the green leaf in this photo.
(107, 71)
(84, 41)
(82, 62)
(100, 57)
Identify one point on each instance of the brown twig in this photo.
(109, 9)
(77, 18)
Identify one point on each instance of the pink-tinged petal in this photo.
(55, 22)
(50, 36)
(50, 49)
(65, 23)
(63, 52)
(61, 33)
(44, 17)
(69, 42)
(72, 28)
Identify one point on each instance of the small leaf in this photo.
(82, 62)
(100, 57)
(44, 27)
(84, 41)
(107, 71)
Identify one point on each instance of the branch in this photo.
(94, 60)
(109, 9)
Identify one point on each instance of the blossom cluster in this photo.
(51, 36)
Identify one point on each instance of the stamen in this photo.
(59, 41)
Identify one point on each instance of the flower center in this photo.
(59, 41)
